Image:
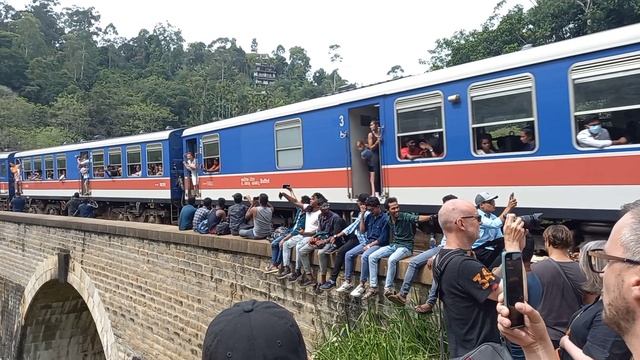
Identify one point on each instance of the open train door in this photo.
(359, 120)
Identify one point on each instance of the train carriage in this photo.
(548, 92)
(6, 180)
(135, 177)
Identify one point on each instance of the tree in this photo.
(13, 65)
(70, 113)
(335, 58)
(49, 20)
(299, 64)
(395, 72)
(30, 40)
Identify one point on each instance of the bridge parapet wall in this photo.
(158, 287)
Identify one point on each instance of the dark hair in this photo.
(372, 201)
(76, 195)
(374, 121)
(558, 237)
(305, 199)
(237, 198)
(448, 197)
(207, 202)
(390, 200)
(318, 196)
(527, 251)
(485, 137)
(363, 197)
(221, 202)
(191, 200)
(264, 199)
(529, 133)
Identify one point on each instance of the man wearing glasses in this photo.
(619, 264)
(468, 289)
(489, 243)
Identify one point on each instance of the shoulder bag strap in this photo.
(576, 292)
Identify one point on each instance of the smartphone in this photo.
(514, 285)
(286, 186)
(511, 196)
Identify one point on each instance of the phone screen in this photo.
(514, 286)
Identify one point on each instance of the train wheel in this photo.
(51, 210)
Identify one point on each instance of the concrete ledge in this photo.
(171, 234)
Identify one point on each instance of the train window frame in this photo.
(26, 173)
(601, 74)
(284, 125)
(113, 151)
(506, 89)
(37, 160)
(210, 139)
(155, 147)
(132, 149)
(4, 169)
(399, 145)
(48, 159)
(97, 164)
(58, 158)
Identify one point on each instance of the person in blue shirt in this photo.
(185, 221)
(87, 208)
(18, 203)
(490, 241)
(376, 226)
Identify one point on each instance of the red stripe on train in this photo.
(612, 170)
(101, 184)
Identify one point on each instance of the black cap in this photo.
(254, 330)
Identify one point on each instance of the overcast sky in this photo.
(374, 35)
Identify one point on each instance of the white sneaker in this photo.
(358, 291)
(346, 286)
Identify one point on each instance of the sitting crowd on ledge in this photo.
(563, 294)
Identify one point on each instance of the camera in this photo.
(280, 195)
(531, 221)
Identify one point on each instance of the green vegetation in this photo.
(398, 334)
(64, 78)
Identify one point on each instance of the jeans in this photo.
(302, 260)
(276, 251)
(395, 254)
(286, 250)
(341, 254)
(249, 234)
(364, 263)
(417, 263)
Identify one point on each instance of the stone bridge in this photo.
(73, 288)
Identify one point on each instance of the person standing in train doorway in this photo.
(374, 139)
(191, 176)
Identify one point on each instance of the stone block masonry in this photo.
(150, 289)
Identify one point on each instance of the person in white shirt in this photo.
(595, 136)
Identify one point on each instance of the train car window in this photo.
(61, 162)
(37, 169)
(211, 153)
(26, 169)
(134, 163)
(503, 116)
(288, 136)
(419, 122)
(48, 167)
(606, 101)
(114, 168)
(98, 163)
(154, 160)
(3, 169)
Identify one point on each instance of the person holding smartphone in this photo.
(468, 289)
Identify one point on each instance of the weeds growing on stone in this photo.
(383, 335)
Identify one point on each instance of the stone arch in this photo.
(78, 291)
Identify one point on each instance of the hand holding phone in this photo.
(514, 285)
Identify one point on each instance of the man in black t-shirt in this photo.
(468, 289)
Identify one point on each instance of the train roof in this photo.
(125, 140)
(585, 44)
(5, 155)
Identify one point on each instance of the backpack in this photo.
(223, 228)
(203, 227)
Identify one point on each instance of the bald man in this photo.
(467, 288)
